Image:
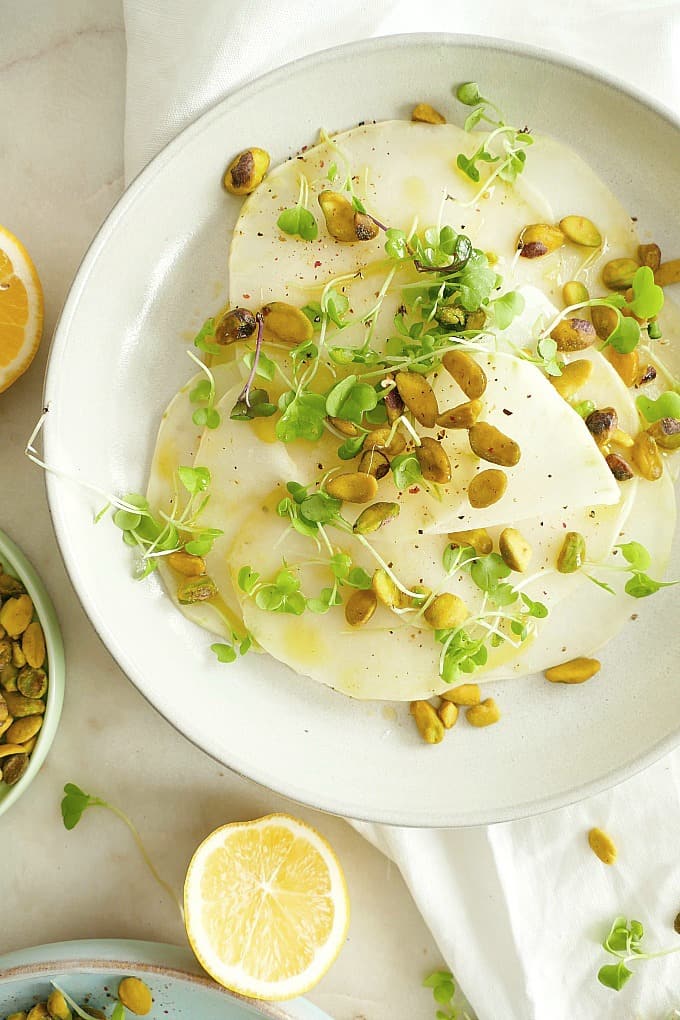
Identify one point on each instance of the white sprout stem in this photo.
(403, 420)
(489, 181)
(31, 453)
(388, 570)
(211, 378)
(442, 206)
(78, 1010)
(326, 539)
(532, 577)
(147, 860)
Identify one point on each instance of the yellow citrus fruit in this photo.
(21, 309)
(266, 906)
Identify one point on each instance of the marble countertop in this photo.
(62, 79)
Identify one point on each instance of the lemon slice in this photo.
(21, 309)
(266, 906)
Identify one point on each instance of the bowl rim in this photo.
(142, 180)
(18, 562)
(125, 955)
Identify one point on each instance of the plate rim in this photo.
(82, 955)
(142, 180)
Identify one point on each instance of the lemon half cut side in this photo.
(266, 906)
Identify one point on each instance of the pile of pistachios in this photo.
(23, 678)
(134, 996)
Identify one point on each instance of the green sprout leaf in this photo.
(507, 308)
(266, 368)
(406, 470)
(396, 244)
(546, 350)
(625, 336)
(201, 340)
(665, 406)
(614, 975)
(247, 579)
(320, 508)
(468, 93)
(298, 221)
(224, 652)
(336, 306)
(349, 399)
(351, 447)
(648, 297)
(74, 804)
(636, 554)
(303, 417)
(194, 480)
(468, 165)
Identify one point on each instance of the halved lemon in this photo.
(266, 906)
(21, 309)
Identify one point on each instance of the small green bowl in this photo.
(16, 563)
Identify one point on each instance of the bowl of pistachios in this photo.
(32, 673)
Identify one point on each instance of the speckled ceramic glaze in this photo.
(16, 563)
(90, 972)
(155, 271)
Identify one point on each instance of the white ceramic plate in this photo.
(153, 273)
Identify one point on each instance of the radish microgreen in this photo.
(624, 942)
(204, 393)
(466, 648)
(298, 220)
(510, 162)
(665, 406)
(76, 802)
(639, 585)
(202, 338)
(506, 308)
(406, 470)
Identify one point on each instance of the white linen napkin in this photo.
(517, 909)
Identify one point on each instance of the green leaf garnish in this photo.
(300, 221)
(303, 417)
(194, 480)
(406, 470)
(224, 652)
(349, 398)
(507, 308)
(74, 804)
(624, 941)
(648, 297)
(351, 447)
(665, 406)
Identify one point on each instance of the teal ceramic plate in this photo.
(90, 972)
(15, 563)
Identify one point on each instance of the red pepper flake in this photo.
(317, 264)
(247, 297)
(414, 489)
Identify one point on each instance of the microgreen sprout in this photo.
(202, 341)
(624, 942)
(228, 653)
(510, 162)
(204, 393)
(443, 990)
(74, 804)
(647, 301)
(466, 648)
(298, 220)
(665, 406)
(639, 585)
(506, 308)
(253, 403)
